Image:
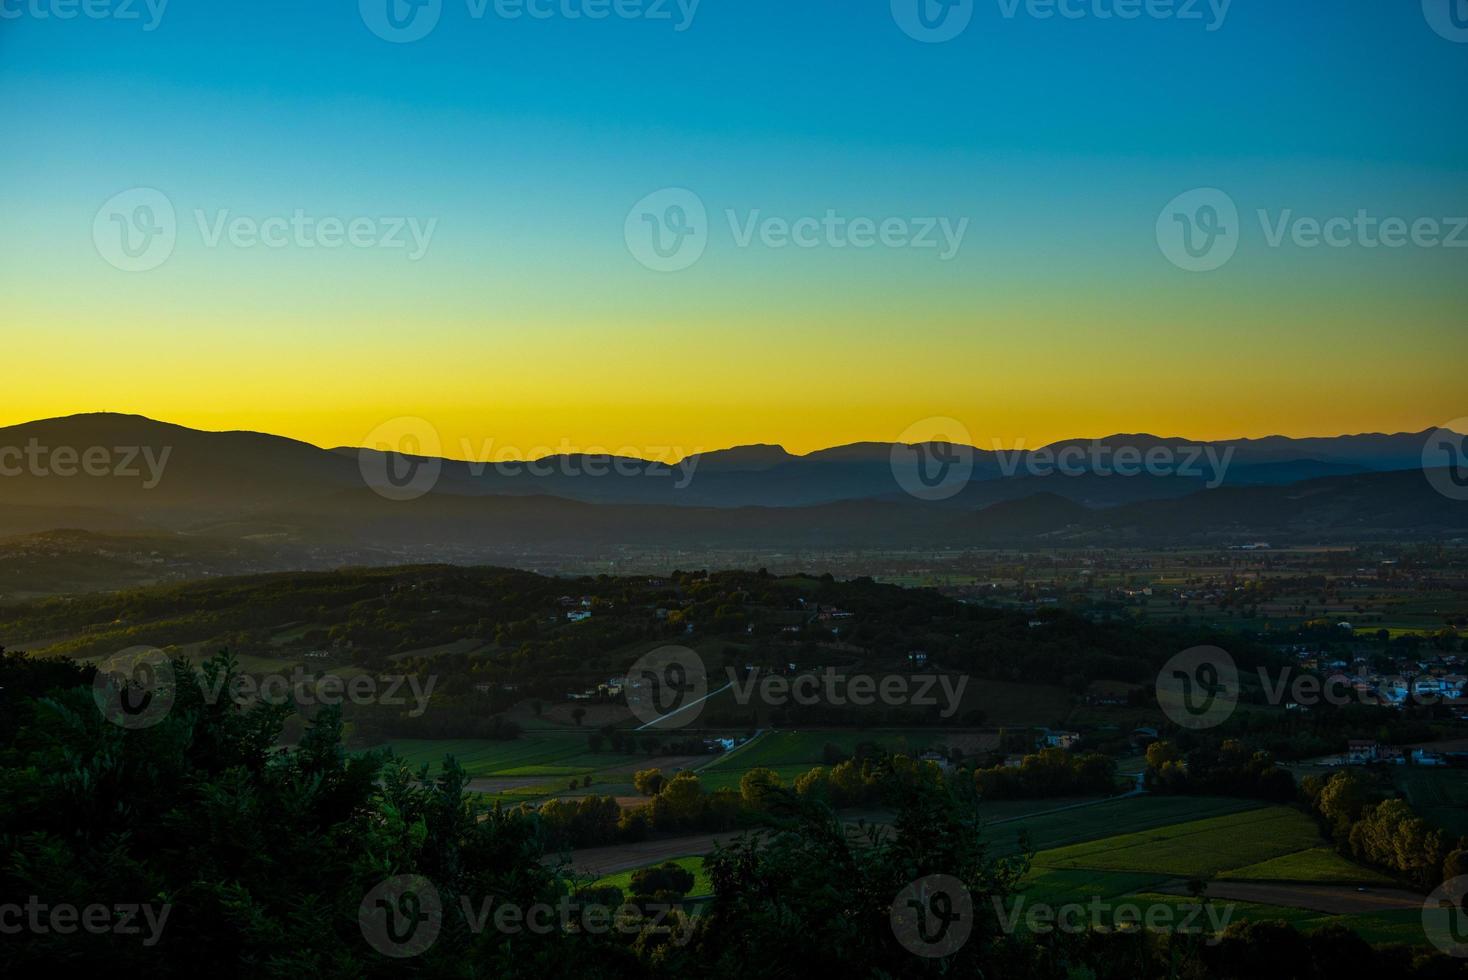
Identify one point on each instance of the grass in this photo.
(1199, 847)
(694, 863)
(1057, 887)
(1153, 857)
(1439, 796)
(712, 779)
(550, 755)
(793, 754)
(1315, 865)
(1089, 823)
(995, 810)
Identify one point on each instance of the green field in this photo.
(1089, 823)
(1165, 839)
(545, 763)
(1131, 867)
(1317, 865)
(694, 863)
(1440, 796)
(1198, 847)
(529, 755)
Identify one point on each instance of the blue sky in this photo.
(1059, 139)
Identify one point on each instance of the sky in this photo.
(679, 227)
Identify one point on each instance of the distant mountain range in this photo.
(249, 485)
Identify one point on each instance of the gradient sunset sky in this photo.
(529, 322)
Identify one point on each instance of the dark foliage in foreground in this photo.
(264, 857)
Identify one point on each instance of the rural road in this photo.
(683, 708)
(1332, 899)
(1136, 790)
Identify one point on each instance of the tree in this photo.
(258, 850)
(1455, 864)
(816, 900)
(668, 881)
(756, 786)
(680, 803)
(648, 782)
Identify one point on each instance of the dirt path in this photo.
(1136, 790)
(1333, 899)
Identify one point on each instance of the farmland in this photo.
(1439, 795)
(701, 884)
(1201, 847)
(1317, 864)
(536, 765)
(1264, 862)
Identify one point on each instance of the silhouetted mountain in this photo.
(240, 485)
